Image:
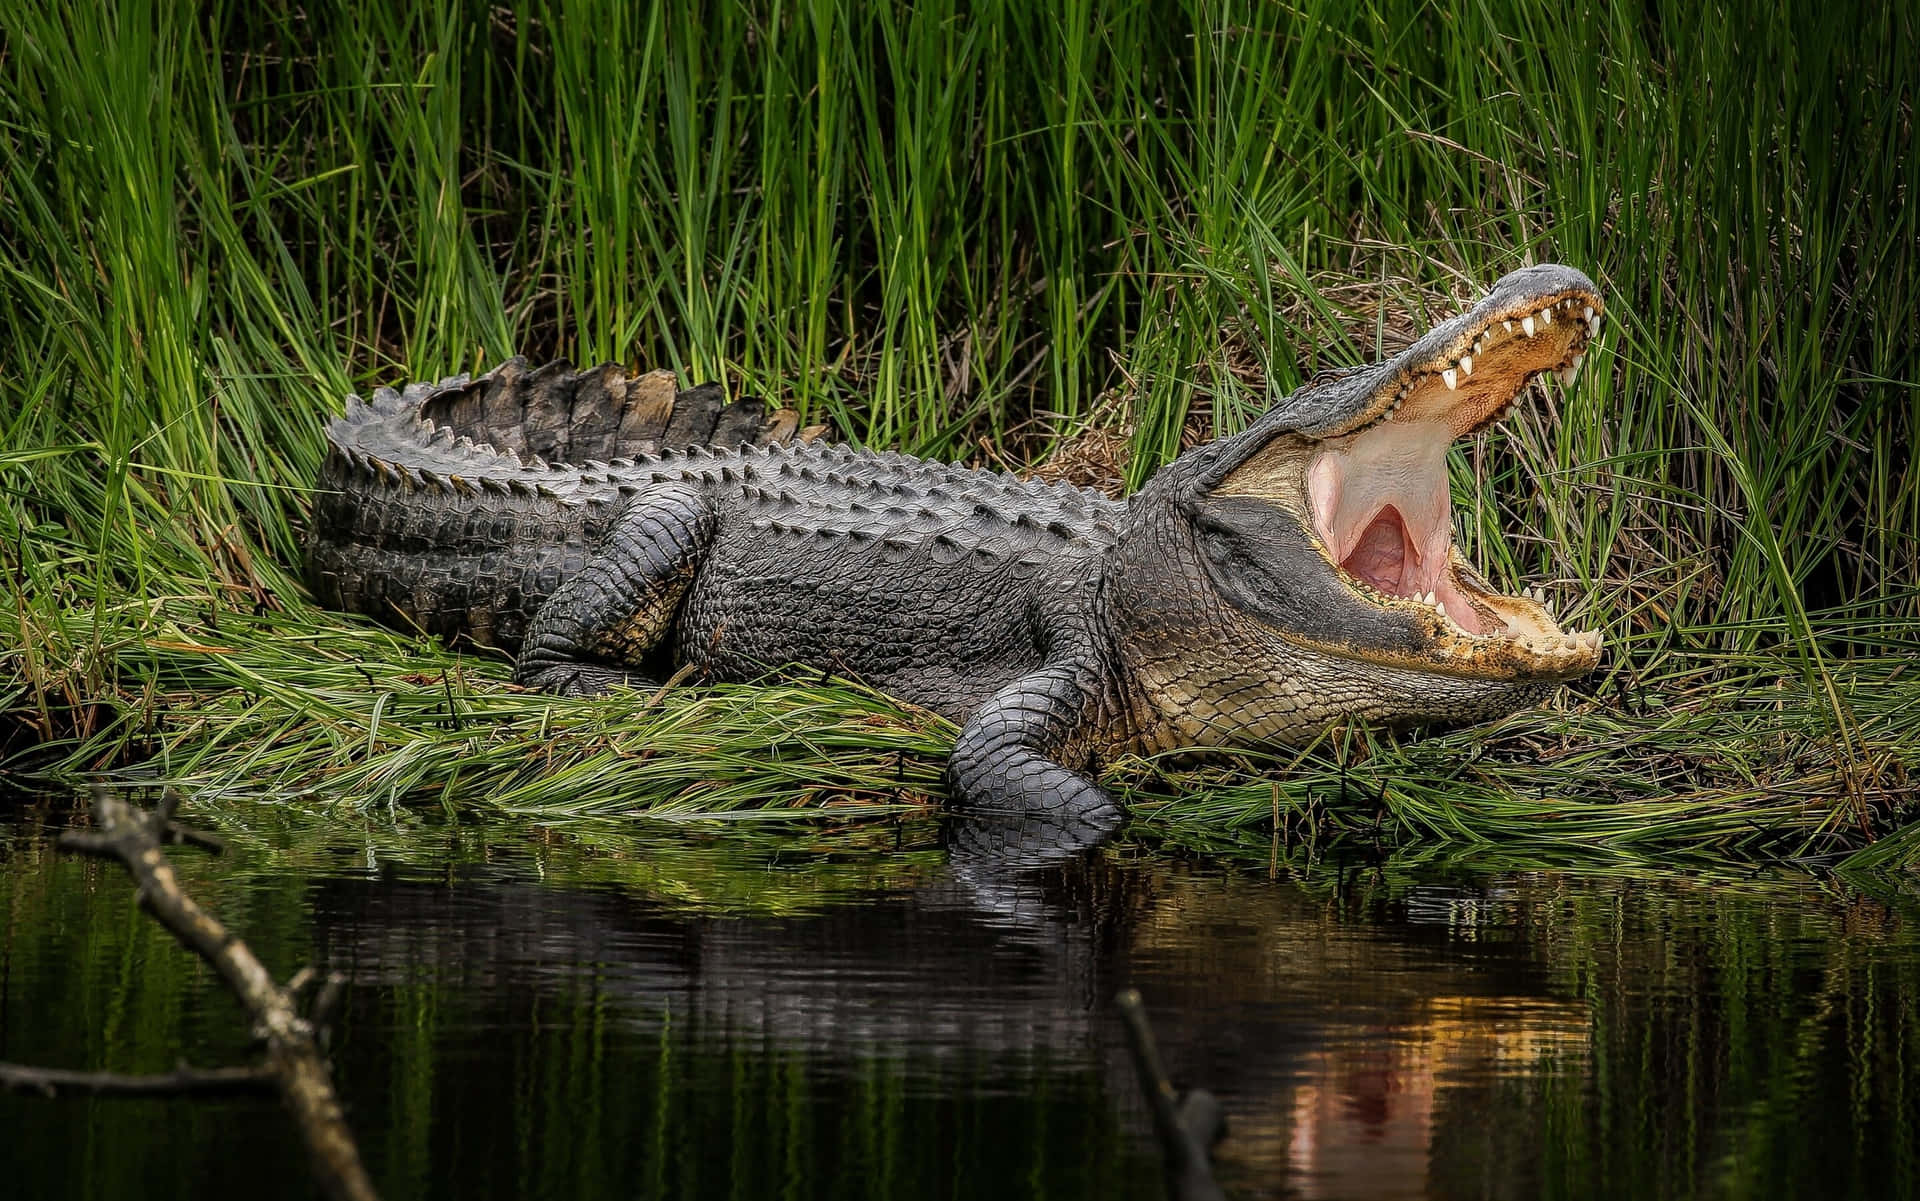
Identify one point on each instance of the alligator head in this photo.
(1323, 538)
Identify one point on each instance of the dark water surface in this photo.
(643, 1014)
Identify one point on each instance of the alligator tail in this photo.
(457, 507)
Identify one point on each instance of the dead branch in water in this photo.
(1186, 1126)
(184, 1081)
(293, 1065)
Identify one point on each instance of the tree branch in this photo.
(199, 1082)
(293, 1062)
(1186, 1127)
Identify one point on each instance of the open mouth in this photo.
(1379, 497)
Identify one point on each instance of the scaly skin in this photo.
(1058, 627)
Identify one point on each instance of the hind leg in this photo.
(588, 636)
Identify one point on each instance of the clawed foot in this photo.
(585, 679)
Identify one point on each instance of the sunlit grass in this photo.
(968, 231)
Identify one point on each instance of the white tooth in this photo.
(1452, 377)
(1593, 326)
(1546, 316)
(1509, 327)
(1526, 323)
(1466, 361)
(1588, 313)
(1566, 376)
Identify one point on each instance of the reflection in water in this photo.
(619, 1015)
(1360, 1123)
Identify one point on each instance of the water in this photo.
(632, 1013)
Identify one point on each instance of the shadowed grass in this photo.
(268, 708)
(970, 231)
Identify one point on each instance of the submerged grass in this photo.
(1074, 236)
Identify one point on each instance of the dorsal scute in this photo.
(557, 434)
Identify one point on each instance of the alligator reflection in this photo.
(1334, 1043)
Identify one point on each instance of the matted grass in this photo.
(1072, 236)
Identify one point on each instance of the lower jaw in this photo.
(1467, 644)
(1488, 662)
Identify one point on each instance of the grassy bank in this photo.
(1061, 235)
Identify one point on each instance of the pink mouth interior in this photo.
(1381, 557)
(1382, 505)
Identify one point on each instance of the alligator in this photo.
(608, 531)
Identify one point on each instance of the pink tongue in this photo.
(1380, 558)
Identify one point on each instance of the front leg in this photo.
(601, 622)
(1007, 759)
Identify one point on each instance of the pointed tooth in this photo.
(1508, 326)
(1593, 327)
(1452, 377)
(1588, 314)
(1546, 315)
(1526, 323)
(1466, 364)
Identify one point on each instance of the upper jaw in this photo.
(1469, 369)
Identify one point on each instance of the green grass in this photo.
(1000, 232)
